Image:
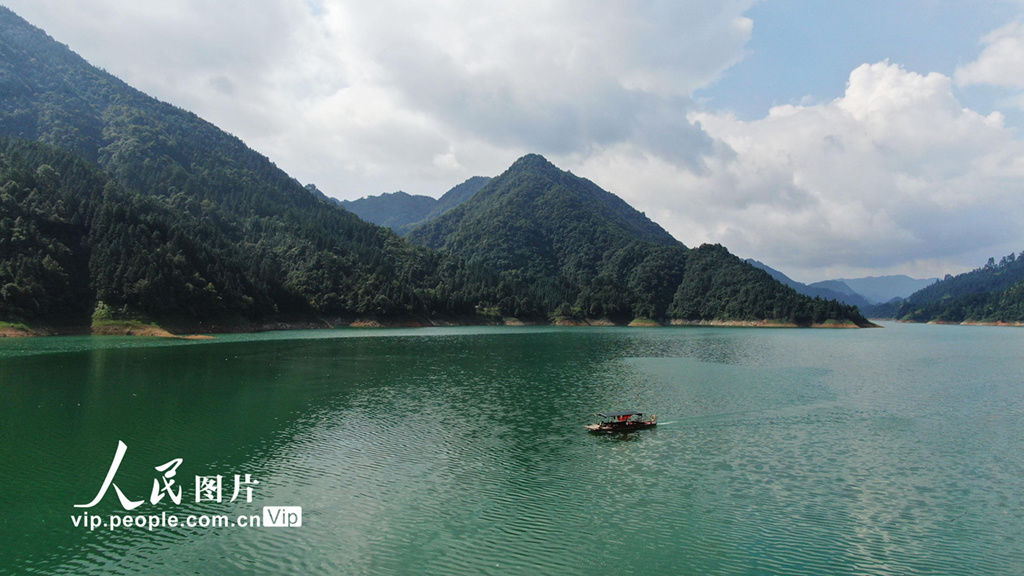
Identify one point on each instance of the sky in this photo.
(826, 139)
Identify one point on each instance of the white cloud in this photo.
(1001, 63)
(893, 175)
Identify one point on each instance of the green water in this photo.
(462, 451)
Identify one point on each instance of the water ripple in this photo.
(782, 452)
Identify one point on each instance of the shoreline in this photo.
(995, 324)
(19, 332)
(136, 328)
(985, 323)
(829, 324)
(208, 331)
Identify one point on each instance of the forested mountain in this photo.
(201, 227)
(456, 196)
(396, 210)
(584, 252)
(74, 241)
(992, 293)
(117, 205)
(402, 212)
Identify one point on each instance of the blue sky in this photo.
(805, 49)
(824, 138)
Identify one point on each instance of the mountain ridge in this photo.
(402, 212)
(874, 295)
(828, 290)
(394, 210)
(882, 289)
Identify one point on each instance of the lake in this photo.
(462, 451)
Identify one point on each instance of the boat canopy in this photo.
(622, 414)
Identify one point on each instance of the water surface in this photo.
(461, 451)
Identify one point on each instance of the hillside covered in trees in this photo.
(118, 205)
(992, 293)
(175, 219)
(402, 212)
(562, 243)
(396, 210)
(74, 241)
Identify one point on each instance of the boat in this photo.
(624, 421)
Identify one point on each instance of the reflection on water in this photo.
(462, 451)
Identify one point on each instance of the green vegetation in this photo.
(403, 212)
(992, 293)
(397, 210)
(17, 326)
(43, 275)
(563, 246)
(72, 237)
(123, 326)
(720, 286)
(452, 198)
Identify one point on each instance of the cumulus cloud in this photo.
(894, 175)
(1001, 62)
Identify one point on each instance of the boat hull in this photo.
(617, 428)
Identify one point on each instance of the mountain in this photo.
(559, 203)
(991, 293)
(396, 210)
(881, 289)
(841, 290)
(827, 290)
(584, 252)
(553, 236)
(456, 196)
(775, 274)
(402, 212)
(876, 296)
(174, 219)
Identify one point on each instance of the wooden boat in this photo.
(625, 421)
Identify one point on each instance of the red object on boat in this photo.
(625, 421)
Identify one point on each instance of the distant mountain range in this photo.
(116, 206)
(990, 294)
(866, 293)
(827, 290)
(883, 289)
